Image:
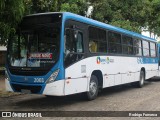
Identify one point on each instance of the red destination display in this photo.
(40, 56)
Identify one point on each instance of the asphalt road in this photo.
(121, 98)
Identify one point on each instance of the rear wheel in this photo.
(93, 88)
(140, 83)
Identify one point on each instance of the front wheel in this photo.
(93, 88)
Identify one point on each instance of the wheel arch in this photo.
(99, 75)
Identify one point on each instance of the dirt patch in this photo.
(2, 83)
(7, 94)
(3, 92)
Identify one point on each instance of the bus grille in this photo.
(33, 89)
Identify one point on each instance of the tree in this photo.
(154, 18)
(11, 12)
(39, 6)
(74, 6)
(128, 14)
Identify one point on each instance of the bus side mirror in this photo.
(158, 62)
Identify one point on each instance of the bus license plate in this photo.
(25, 91)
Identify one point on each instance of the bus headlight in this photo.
(53, 77)
(7, 76)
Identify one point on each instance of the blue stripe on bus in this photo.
(142, 60)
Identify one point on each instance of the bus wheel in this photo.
(93, 88)
(140, 83)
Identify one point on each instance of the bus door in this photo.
(74, 63)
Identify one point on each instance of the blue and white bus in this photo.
(58, 54)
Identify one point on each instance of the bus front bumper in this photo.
(55, 88)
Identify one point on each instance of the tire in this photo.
(140, 83)
(93, 88)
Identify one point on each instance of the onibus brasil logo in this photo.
(103, 60)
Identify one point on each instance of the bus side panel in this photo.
(76, 78)
(73, 86)
(109, 81)
(151, 73)
(137, 76)
(115, 70)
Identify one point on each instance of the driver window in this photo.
(79, 43)
(73, 47)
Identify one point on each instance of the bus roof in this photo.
(68, 15)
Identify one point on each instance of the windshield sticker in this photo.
(40, 56)
(33, 63)
(47, 61)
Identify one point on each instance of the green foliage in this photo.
(38, 6)
(11, 12)
(75, 6)
(128, 14)
(154, 18)
(126, 24)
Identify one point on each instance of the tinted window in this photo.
(145, 48)
(79, 43)
(145, 44)
(127, 45)
(127, 40)
(114, 40)
(152, 45)
(137, 43)
(137, 47)
(73, 47)
(97, 40)
(153, 49)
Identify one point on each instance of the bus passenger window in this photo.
(127, 45)
(97, 40)
(145, 48)
(92, 46)
(114, 40)
(153, 49)
(137, 47)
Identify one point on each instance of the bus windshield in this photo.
(35, 45)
